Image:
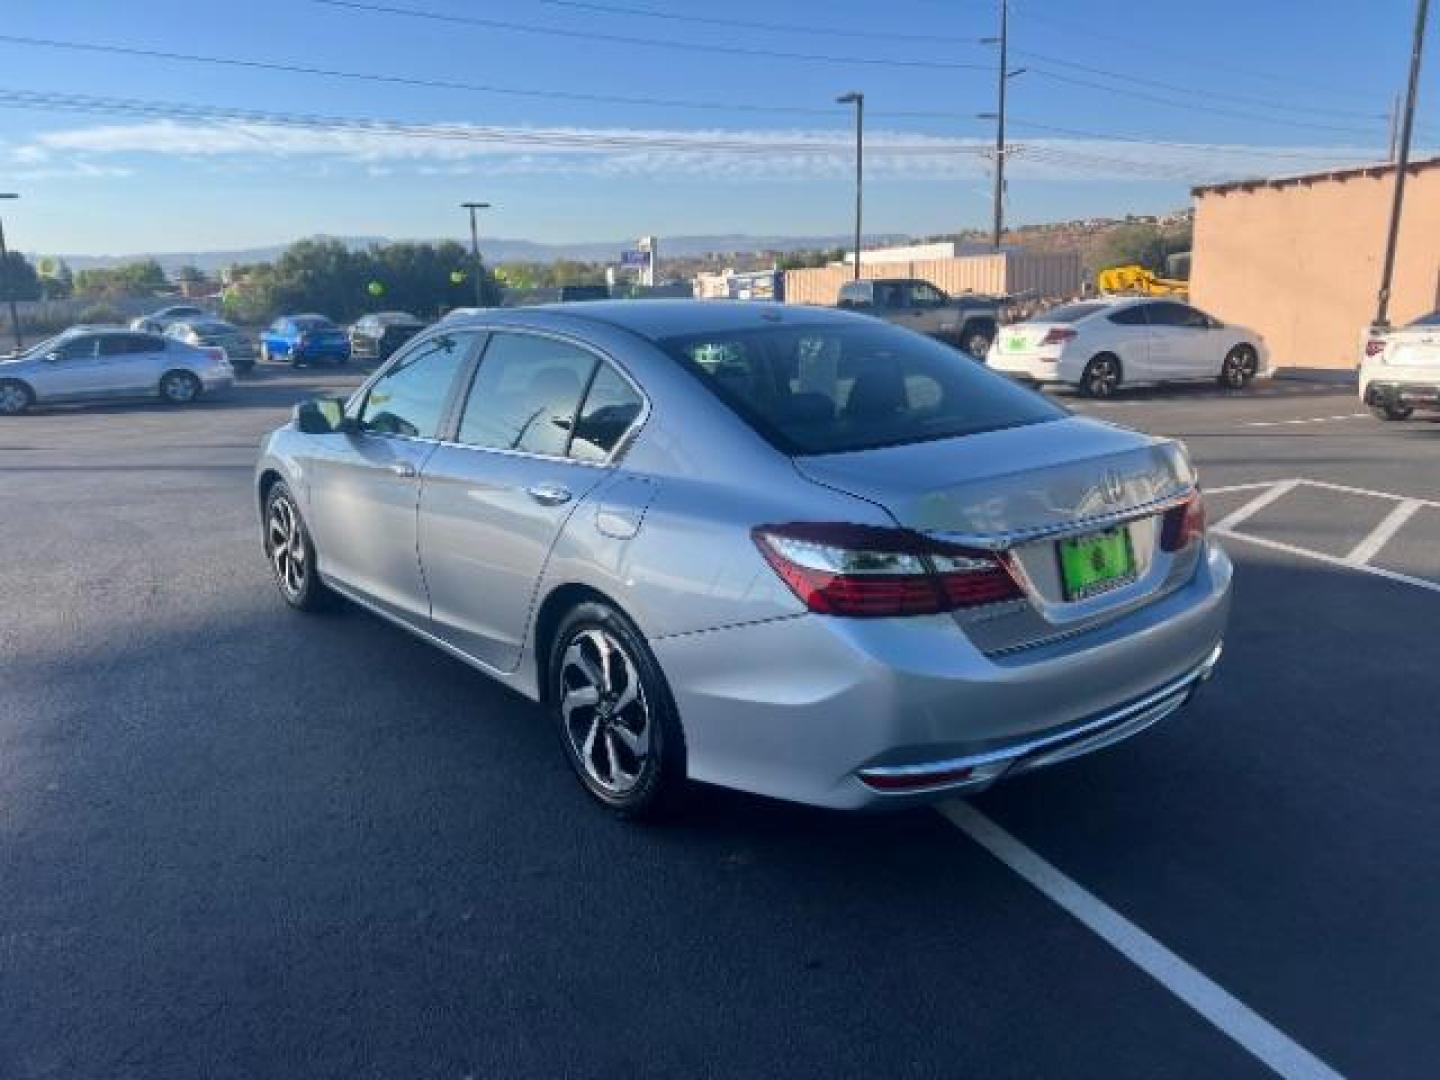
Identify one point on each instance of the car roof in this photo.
(657, 319)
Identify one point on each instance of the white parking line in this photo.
(1379, 536)
(1254, 506)
(1227, 1013)
(1333, 560)
(1307, 420)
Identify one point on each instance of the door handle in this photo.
(403, 468)
(549, 494)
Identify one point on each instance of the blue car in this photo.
(304, 339)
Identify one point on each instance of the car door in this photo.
(71, 371)
(928, 307)
(1127, 333)
(494, 499)
(365, 479)
(130, 364)
(1180, 340)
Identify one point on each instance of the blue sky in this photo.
(1250, 88)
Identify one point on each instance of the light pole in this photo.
(475, 250)
(1402, 162)
(5, 269)
(858, 100)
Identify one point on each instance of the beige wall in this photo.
(1300, 262)
(1051, 275)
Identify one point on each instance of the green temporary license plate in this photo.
(1016, 344)
(1094, 563)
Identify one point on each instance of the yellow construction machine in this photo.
(1138, 281)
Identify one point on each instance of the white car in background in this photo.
(1401, 369)
(1099, 345)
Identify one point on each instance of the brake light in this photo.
(1183, 524)
(1374, 347)
(217, 354)
(870, 571)
(1058, 335)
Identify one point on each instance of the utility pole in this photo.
(479, 268)
(1402, 163)
(858, 100)
(1002, 79)
(1394, 128)
(5, 270)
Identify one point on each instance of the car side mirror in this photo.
(322, 416)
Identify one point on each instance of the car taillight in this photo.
(1374, 347)
(1183, 524)
(873, 571)
(217, 354)
(1058, 335)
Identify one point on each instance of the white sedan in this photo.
(1401, 369)
(1099, 345)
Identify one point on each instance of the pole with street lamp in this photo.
(858, 100)
(4, 267)
(1402, 163)
(478, 268)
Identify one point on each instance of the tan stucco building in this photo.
(1298, 258)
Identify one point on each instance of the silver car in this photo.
(792, 551)
(241, 349)
(92, 364)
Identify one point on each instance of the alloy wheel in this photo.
(285, 540)
(180, 387)
(1101, 378)
(1240, 366)
(606, 716)
(13, 399)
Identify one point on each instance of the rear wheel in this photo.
(977, 342)
(1392, 412)
(1239, 367)
(15, 397)
(291, 553)
(1101, 377)
(179, 387)
(612, 708)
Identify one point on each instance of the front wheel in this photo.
(1239, 367)
(616, 720)
(977, 343)
(179, 387)
(1101, 378)
(1392, 412)
(291, 553)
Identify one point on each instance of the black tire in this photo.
(645, 786)
(1392, 412)
(1102, 376)
(977, 342)
(1239, 367)
(294, 571)
(15, 397)
(180, 388)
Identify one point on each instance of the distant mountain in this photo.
(496, 250)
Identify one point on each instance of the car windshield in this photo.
(1070, 313)
(1433, 319)
(832, 388)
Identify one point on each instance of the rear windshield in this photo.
(1433, 319)
(833, 388)
(215, 327)
(314, 324)
(1069, 313)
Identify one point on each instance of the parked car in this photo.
(157, 321)
(96, 365)
(792, 551)
(1401, 369)
(375, 337)
(239, 346)
(303, 339)
(966, 322)
(1100, 345)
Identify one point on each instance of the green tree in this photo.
(18, 279)
(144, 278)
(1143, 245)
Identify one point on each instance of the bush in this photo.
(100, 313)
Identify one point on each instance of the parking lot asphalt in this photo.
(239, 842)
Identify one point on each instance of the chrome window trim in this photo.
(1095, 522)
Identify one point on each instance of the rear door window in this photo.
(610, 408)
(1129, 316)
(1070, 313)
(833, 388)
(526, 394)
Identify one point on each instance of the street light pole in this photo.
(1402, 162)
(858, 100)
(5, 269)
(475, 250)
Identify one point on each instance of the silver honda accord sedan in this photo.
(787, 550)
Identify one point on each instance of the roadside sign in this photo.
(634, 258)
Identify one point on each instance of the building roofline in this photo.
(1348, 173)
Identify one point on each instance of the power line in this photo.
(653, 43)
(1200, 148)
(450, 84)
(810, 29)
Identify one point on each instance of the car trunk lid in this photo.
(1415, 347)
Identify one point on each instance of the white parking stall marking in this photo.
(1334, 560)
(1379, 536)
(1307, 420)
(1222, 1009)
(1255, 505)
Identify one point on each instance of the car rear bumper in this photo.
(854, 714)
(1028, 367)
(1407, 387)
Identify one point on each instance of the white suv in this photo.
(1401, 369)
(1097, 345)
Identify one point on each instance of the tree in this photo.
(144, 278)
(1143, 245)
(18, 279)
